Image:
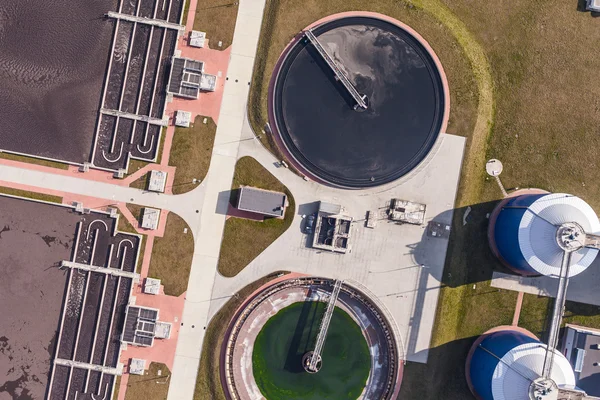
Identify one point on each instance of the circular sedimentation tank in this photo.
(273, 334)
(315, 120)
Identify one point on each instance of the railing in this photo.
(360, 99)
(559, 304)
(324, 327)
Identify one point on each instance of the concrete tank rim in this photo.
(290, 277)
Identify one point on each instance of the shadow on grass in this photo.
(469, 259)
(443, 377)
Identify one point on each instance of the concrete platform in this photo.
(398, 263)
(583, 288)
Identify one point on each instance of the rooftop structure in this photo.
(507, 364)
(142, 326)
(137, 366)
(158, 181)
(188, 78)
(197, 39)
(593, 5)
(150, 218)
(581, 346)
(261, 201)
(403, 211)
(332, 229)
(183, 118)
(152, 286)
(529, 233)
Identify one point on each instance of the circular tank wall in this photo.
(523, 232)
(503, 363)
(312, 114)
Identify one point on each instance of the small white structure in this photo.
(332, 228)
(158, 181)
(183, 118)
(197, 39)
(162, 330)
(137, 366)
(150, 217)
(408, 212)
(152, 286)
(593, 5)
(208, 82)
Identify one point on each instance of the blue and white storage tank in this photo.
(504, 364)
(523, 232)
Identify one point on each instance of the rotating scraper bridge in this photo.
(360, 99)
(314, 357)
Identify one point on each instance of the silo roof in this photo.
(523, 364)
(537, 232)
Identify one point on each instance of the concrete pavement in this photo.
(399, 264)
(218, 184)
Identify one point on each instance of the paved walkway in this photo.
(218, 184)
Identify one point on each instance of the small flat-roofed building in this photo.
(261, 201)
(332, 228)
(150, 217)
(187, 78)
(208, 82)
(162, 330)
(581, 346)
(137, 366)
(183, 118)
(197, 39)
(158, 181)
(593, 5)
(152, 286)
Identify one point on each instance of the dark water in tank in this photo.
(53, 56)
(357, 149)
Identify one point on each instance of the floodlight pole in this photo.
(494, 168)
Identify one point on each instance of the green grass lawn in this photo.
(172, 256)
(33, 160)
(141, 183)
(286, 337)
(191, 153)
(216, 18)
(236, 250)
(151, 385)
(30, 195)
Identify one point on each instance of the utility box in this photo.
(150, 217)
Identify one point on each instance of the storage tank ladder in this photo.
(324, 327)
(359, 98)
